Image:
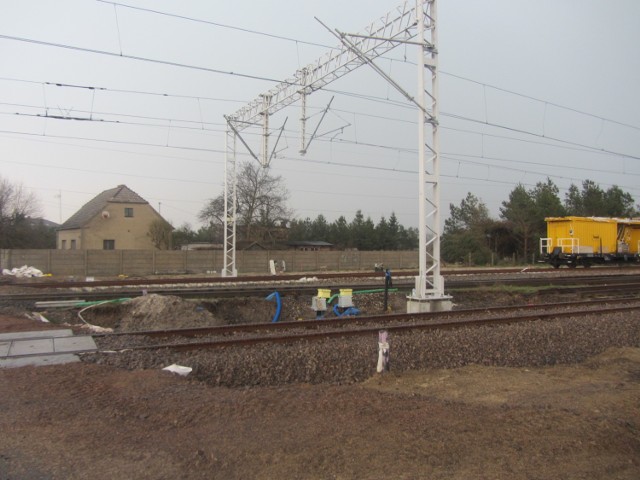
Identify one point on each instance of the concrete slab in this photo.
(38, 360)
(67, 332)
(45, 347)
(74, 344)
(31, 347)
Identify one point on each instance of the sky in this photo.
(95, 94)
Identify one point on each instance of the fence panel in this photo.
(137, 262)
(149, 262)
(102, 263)
(203, 261)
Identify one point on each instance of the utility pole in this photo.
(428, 294)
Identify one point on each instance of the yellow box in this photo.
(593, 235)
(346, 292)
(324, 293)
(634, 239)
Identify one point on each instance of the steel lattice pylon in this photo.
(411, 20)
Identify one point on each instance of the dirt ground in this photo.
(84, 420)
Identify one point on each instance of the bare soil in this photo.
(577, 420)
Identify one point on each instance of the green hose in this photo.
(96, 302)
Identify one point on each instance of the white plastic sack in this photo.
(179, 369)
(23, 272)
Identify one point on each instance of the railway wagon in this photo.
(586, 241)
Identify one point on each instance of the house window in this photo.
(128, 212)
(64, 245)
(73, 244)
(108, 244)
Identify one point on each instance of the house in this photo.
(118, 218)
(310, 245)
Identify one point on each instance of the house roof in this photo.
(43, 221)
(308, 243)
(120, 194)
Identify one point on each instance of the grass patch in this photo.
(506, 289)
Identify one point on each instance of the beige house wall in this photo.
(69, 239)
(129, 233)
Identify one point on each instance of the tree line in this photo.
(361, 233)
(471, 236)
(263, 215)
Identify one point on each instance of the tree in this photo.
(319, 229)
(383, 235)
(465, 232)
(546, 204)
(521, 212)
(619, 203)
(408, 238)
(339, 233)
(394, 231)
(593, 201)
(573, 202)
(160, 234)
(300, 229)
(362, 232)
(17, 206)
(205, 234)
(471, 214)
(261, 202)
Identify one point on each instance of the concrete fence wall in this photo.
(104, 263)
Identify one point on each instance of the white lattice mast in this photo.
(418, 20)
(381, 36)
(230, 199)
(429, 282)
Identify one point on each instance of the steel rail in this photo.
(39, 283)
(575, 283)
(341, 321)
(371, 331)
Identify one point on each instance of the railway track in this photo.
(554, 283)
(449, 274)
(314, 330)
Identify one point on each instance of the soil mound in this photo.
(157, 312)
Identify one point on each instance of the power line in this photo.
(529, 97)
(342, 164)
(380, 100)
(539, 135)
(142, 144)
(143, 59)
(154, 155)
(120, 90)
(542, 174)
(113, 122)
(583, 147)
(263, 78)
(216, 24)
(290, 39)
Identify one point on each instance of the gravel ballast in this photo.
(351, 359)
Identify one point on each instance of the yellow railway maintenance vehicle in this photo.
(587, 241)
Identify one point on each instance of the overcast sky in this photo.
(528, 90)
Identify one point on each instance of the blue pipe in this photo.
(278, 301)
(349, 312)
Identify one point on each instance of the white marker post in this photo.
(383, 352)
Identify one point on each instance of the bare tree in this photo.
(16, 201)
(160, 234)
(16, 205)
(261, 201)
